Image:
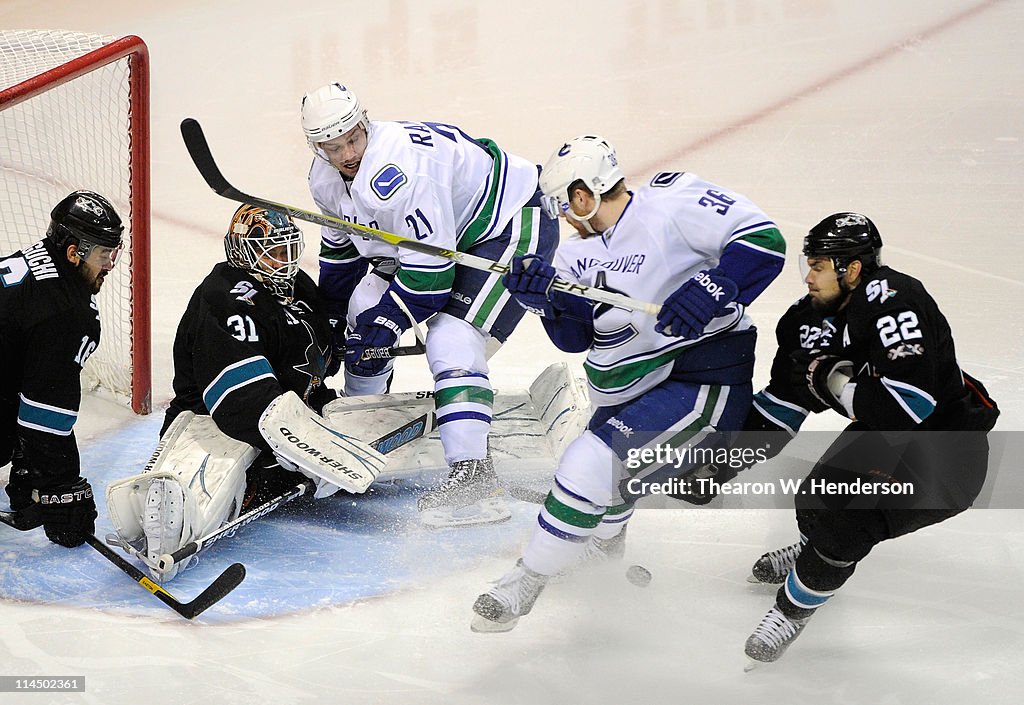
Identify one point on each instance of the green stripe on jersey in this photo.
(338, 253)
(623, 375)
(497, 288)
(768, 239)
(482, 221)
(427, 282)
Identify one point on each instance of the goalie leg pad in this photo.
(163, 521)
(192, 485)
(303, 440)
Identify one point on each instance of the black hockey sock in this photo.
(811, 583)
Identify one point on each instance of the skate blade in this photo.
(492, 510)
(482, 625)
(752, 665)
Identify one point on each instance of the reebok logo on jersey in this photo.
(704, 279)
(622, 428)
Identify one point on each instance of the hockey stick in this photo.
(385, 352)
(199, 149)
(390, 441)
(225, 582)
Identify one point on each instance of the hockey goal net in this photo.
(74, 114)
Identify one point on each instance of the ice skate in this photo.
(773, 636)
(598, 552)
(773, 567)
(469, 495)
(468, 481)
(498, 609)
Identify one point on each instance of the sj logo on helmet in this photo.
(851, 219)
(86, 203)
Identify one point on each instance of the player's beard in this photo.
(833, 304)
(93, 280)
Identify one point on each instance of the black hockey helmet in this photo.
(85, 218)
(845, 237)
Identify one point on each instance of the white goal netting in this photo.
(75, 132)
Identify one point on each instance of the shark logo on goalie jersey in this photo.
(315, 365)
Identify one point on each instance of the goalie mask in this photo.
(330, 111)
(268, 245)
(589, 159)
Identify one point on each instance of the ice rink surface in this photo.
(909, 112)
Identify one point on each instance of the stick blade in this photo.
(218, 589)
(199, 149)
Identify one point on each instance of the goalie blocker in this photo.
(196, 479)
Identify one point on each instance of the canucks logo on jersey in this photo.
(387, 181)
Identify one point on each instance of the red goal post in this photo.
(74, 114)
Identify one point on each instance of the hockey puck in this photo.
(638, 575)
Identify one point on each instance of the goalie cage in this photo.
(74, 114)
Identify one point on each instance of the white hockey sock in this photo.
(463, 401)
(614, 521)
(356, 386)
(564, 525)
(548, 554)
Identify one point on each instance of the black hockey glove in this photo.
(68, 512)
(336, 322)
(816, 369)
(19, 491)
(801, 359)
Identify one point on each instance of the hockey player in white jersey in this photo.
(678, 379)
(434, 183)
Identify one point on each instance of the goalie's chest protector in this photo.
(291, 336)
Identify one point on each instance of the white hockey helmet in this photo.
(330, 111)
(268, 245)
(588, 158)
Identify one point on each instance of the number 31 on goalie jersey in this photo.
(243, 328)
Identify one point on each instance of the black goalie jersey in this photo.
(238, 347)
